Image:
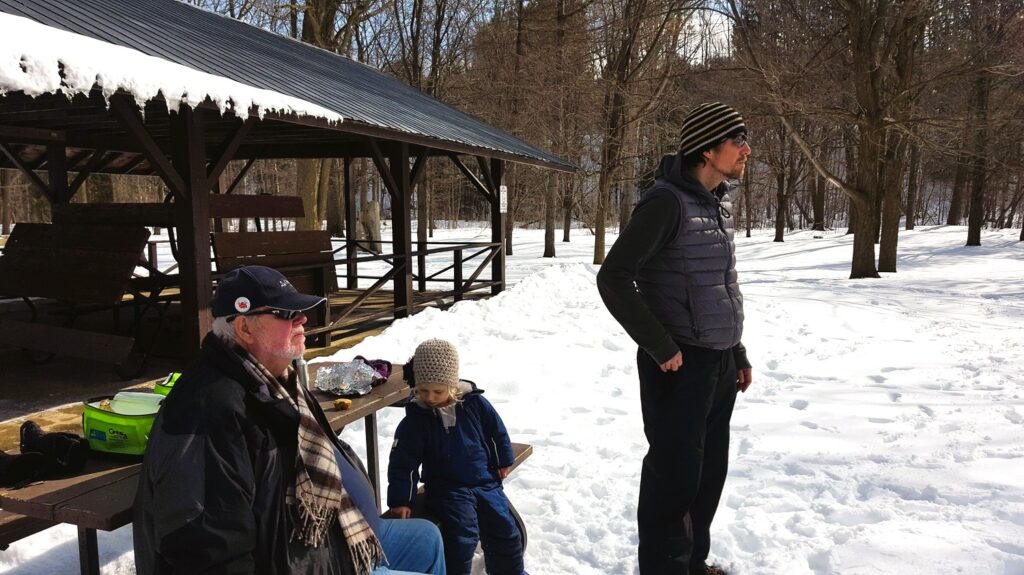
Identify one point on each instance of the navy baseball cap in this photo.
(254, 287)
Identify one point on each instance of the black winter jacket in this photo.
(211, 495)
(670, 278)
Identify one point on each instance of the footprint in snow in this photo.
(614, 411)
(745, 446)
(809, 424)
(894, 397)
(799, 404)
(579, 410)
(610, 345)
(878, 378)
(772, 364)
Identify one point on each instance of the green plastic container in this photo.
(124, 428)
(164, 387)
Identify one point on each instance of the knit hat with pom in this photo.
(436, 361)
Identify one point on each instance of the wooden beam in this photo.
(351, 249)
(386, 173)
(401, 234)
(485, 171)
(230, 148)
(192, 215)
(130, 120)
(132, 164)
(263, 206)
(241, 175)
(32, 177)
(480, 186)
(98, 161)
(56, 167)
(377, 132)
(497, 228)
(23, 135)
(418, 168)
(76, 159)
(149, 214)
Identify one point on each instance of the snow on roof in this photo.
(37, 59)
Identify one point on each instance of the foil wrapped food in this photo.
(348, 379)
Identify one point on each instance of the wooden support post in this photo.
(401, 236)
(373, 456)
(458, 274)
(88, 552)
(192, 218)
(57, 169)
(151, 255)
(351, 250)
(497, 227)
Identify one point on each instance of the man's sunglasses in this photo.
(740, 140)
(285, 314)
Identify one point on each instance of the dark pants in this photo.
(471, 514)
(686, 420)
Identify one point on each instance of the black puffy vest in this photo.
(690, 284)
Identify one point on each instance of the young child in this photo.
(464, 450)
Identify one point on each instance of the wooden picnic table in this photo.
(102, 495)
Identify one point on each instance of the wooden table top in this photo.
(102, 495)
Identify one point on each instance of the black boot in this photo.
(19, 469)
(66, 452)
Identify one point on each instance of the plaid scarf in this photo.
(318, 494)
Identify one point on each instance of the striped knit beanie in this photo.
(708, 124)
(436, 361)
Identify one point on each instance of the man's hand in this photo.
(402, 512)
(503, 472)
(744, 378)
(673, 364)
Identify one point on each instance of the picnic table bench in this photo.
(102, 495)
(84, 268)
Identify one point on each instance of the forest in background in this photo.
(867, 116)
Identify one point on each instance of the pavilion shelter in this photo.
(160, 87)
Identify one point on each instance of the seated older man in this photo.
(243, 474)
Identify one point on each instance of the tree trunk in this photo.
(567, 205)
(892, 178)
(956, 200)
(307, 174)
(550, 206)
(865, 229)
(818, 203)
(780, 206)
(422, 227)
(747, 198)
(336, 205)
(913, 185)
(976, 217)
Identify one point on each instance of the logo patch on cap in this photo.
(242, 304)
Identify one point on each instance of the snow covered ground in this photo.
(884, 432)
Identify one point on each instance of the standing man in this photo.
(243, 474)
(670, 280)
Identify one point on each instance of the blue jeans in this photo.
(412, 546)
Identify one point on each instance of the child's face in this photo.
(433, 394)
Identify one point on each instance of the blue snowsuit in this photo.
(460, 475)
